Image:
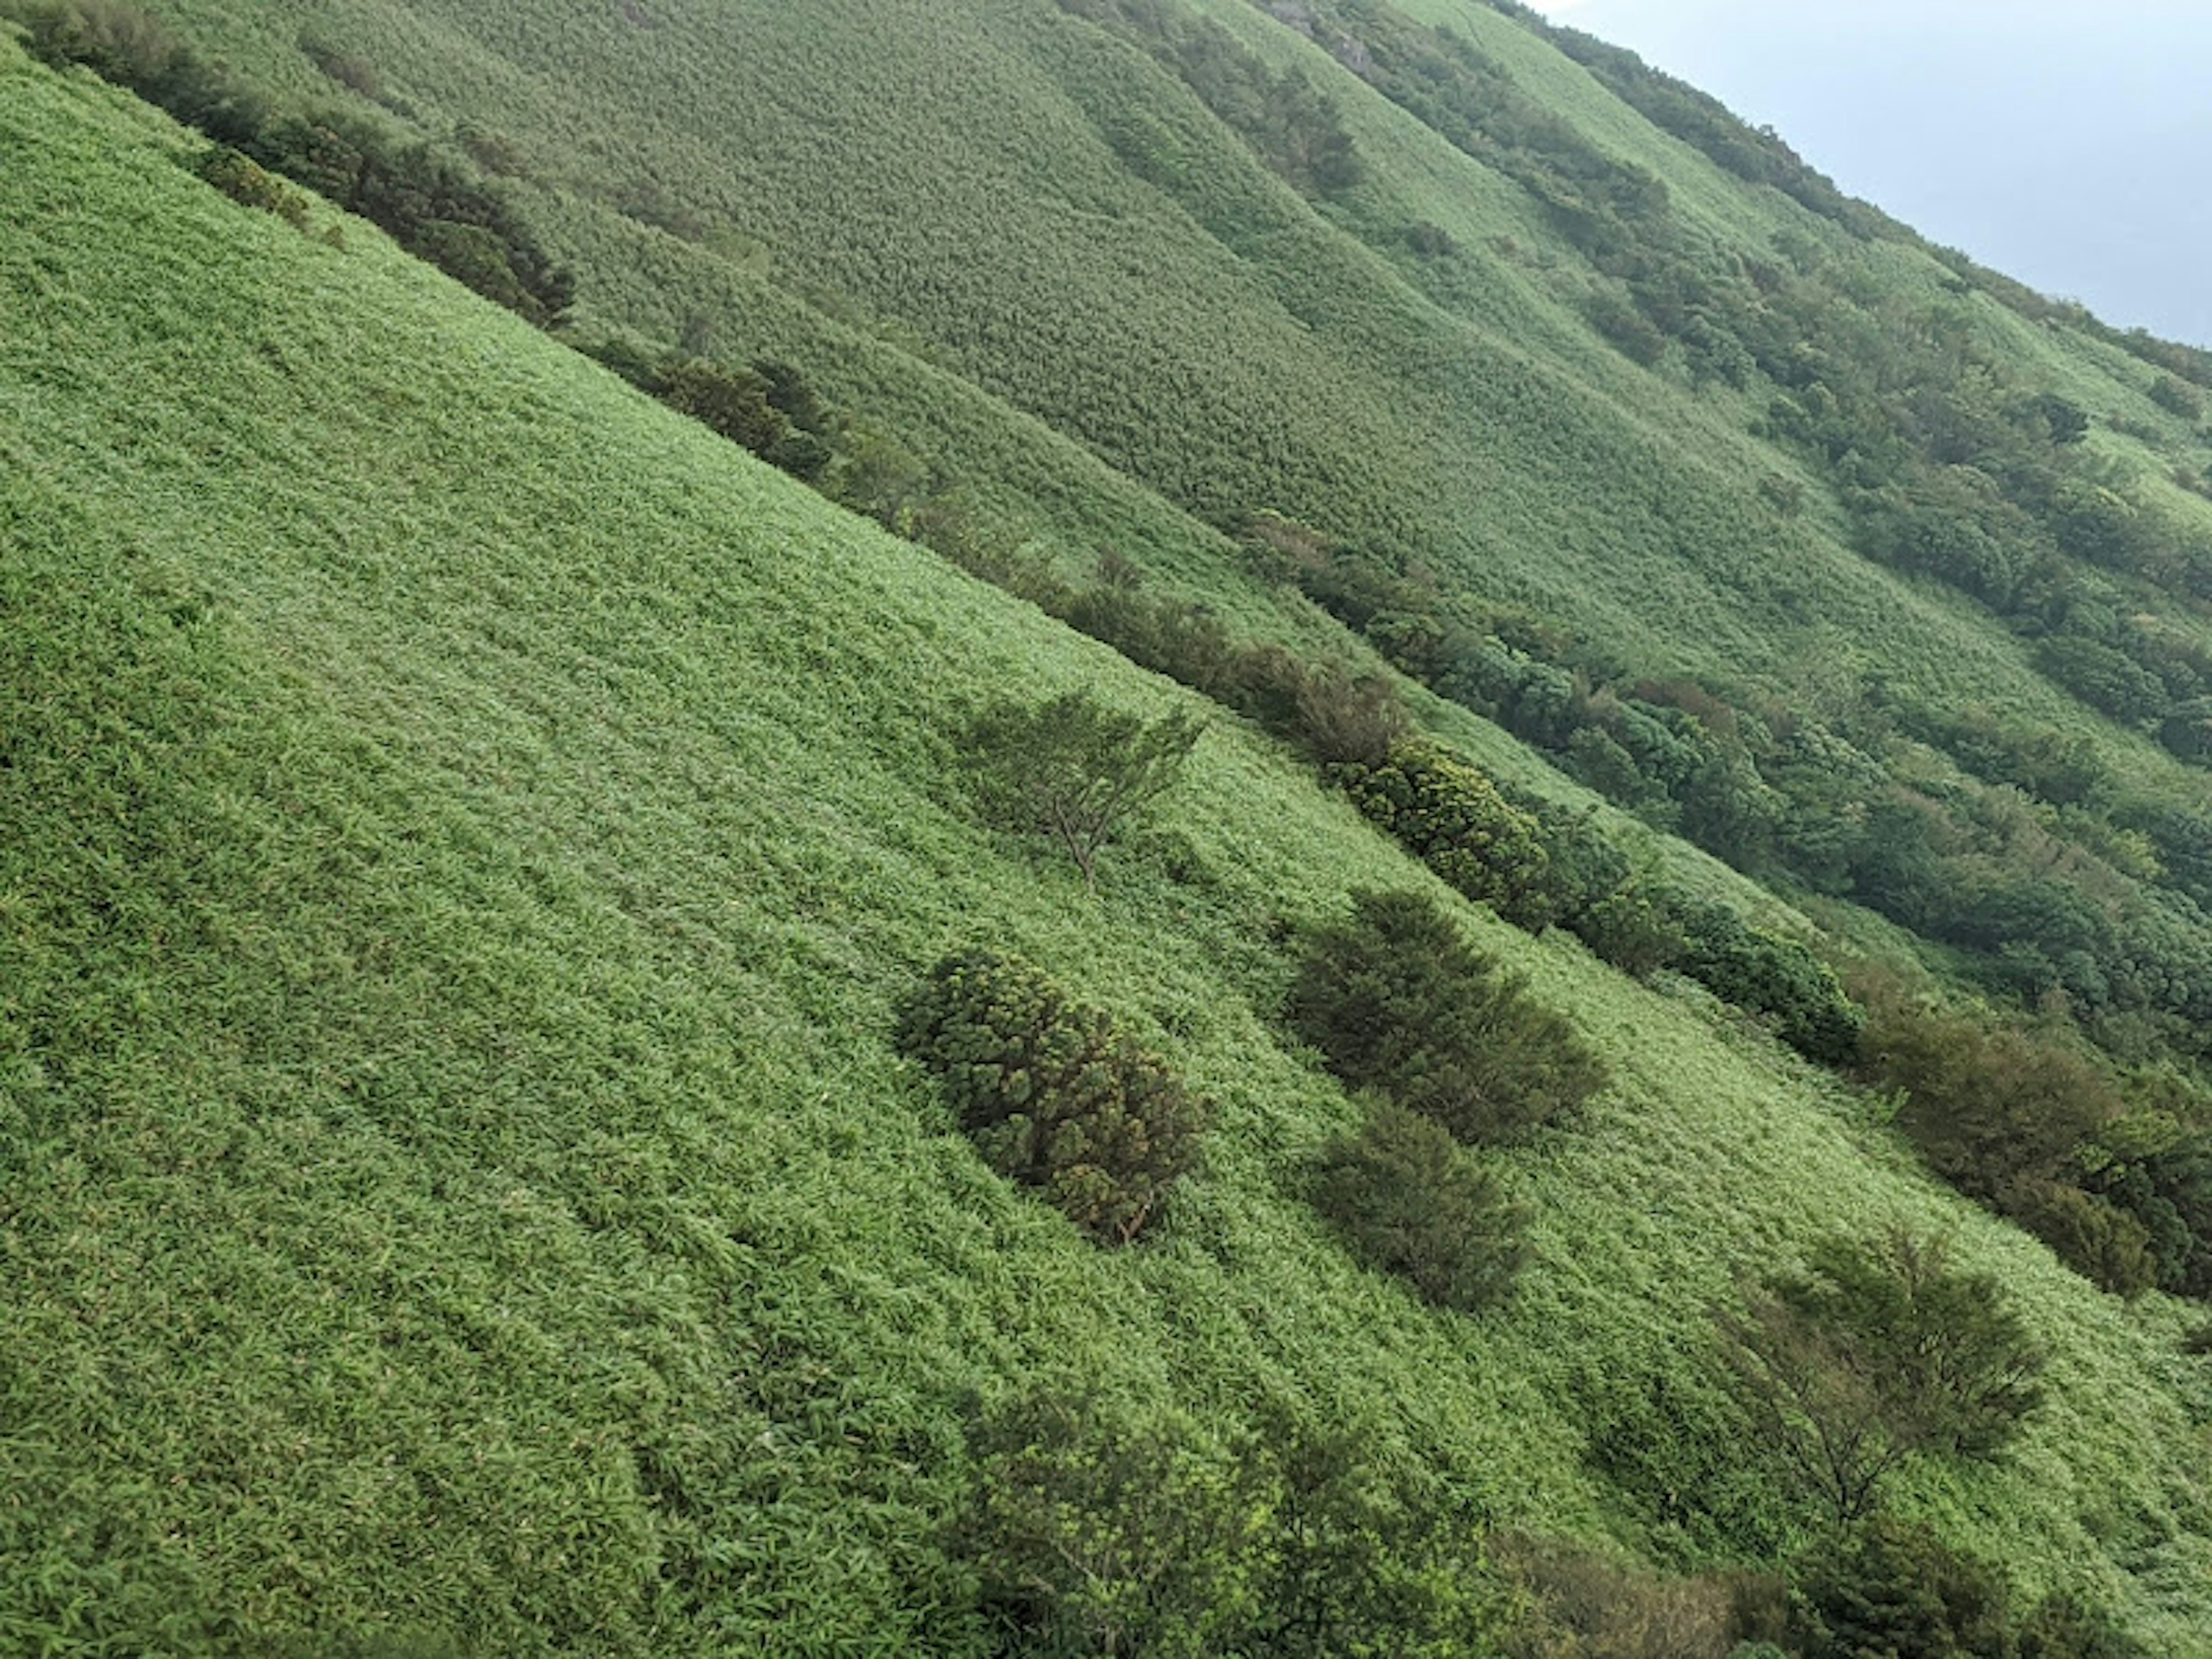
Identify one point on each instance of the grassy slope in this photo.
(949, 183)
(461, 833)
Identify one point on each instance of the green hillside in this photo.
(467, 834)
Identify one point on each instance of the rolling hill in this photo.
(467, 831)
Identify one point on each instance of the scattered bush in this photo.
(1769, 974)
(1454, 818)
(1398, 1002)
(2064, 1627)
(1052, 1097)
(1410, 1200)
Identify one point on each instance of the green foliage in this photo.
(439, 889)
(1585, 1605)
(1896, 1589)
(1878, 1355)
(1409, 1200)
(2178, 397)
(1076, 769)
(1094, 1527)
(1052, 1095)
(2006, 1115)
(434, 203)
(1776, 976)
(1292, 127)
(1455, 819)
(1397, 1002)
(768, 409)
(238, 177)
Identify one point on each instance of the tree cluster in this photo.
(434, 204)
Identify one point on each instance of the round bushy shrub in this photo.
(1410, 1200)
(1052, 1097)
(1454, 818)
(1776, 976)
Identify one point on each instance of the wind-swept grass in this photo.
(465, 833)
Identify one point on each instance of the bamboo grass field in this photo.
(467, 832)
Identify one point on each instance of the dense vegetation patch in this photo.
(1410, 1199)
(1397, 1002)
(1052, 1095)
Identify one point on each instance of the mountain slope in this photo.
(463, 833)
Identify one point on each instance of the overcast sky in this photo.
(2068, 145)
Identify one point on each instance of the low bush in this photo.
(1052, 1097)
(1410, 1200)
(1398, 1002)
(245, 181)
(1772, 976)
(1454, 818)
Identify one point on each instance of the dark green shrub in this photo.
(2063, 1627)
(245, 182)
(1992, 1107)
(1398, 1002)
(1452, 816)
(2176, 397)
(1410, 1200)
(1769, 974)
(117, 41)
(2101, 1242)
(733, 402)
(1895, 1589)
(1052, 1096)
(349, 69)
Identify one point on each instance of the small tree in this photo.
(1876, 1356)
(1076, 769)
(1052, 1097)
(1411, 1201)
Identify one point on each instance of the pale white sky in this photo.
(2067, 144)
